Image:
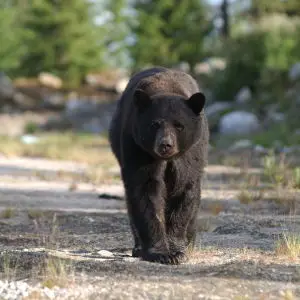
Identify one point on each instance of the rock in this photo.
(294, 73)
(105, 253)
(24, 101)
(241, 144)
(114, 80)
(29, 139)
(243, 96)
(239, 122)
(7, 90)
(54, 101)
(210, 65)
(50, 80)
(89, 116)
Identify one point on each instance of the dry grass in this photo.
(289, 245)
(216, 208)
(57, 272)
(93, 150)
(245, 197)
(8, 213)
(288, 295)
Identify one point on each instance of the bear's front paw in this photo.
(137, 252)
(169, 258)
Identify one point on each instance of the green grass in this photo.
(296, 178)
(278, 172)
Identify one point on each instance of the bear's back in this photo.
(169, 81)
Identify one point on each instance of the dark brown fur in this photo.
(159, 135)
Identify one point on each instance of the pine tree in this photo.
(117, 28)
(169, 31)
(260, 8)
(12, 37)
(66, 41)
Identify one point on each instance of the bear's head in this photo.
(167, 125)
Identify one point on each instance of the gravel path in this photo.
(235, 258)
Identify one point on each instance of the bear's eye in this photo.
(178, 126)
(155, 124)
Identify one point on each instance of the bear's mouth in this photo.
(165, 154)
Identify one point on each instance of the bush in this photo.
(260, 59)
(246, 57)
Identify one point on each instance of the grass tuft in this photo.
(56, 273)
(289, 245)
(8, 213)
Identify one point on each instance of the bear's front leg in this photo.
(181, 217)
(146, 208)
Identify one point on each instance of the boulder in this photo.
(239, 122)
(89, 116)
(7, 89)
(243, 96)
(50, 80)
(25, 102)
(114, 81)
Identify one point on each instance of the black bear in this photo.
(159, 135)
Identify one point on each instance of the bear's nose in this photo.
(165, 146)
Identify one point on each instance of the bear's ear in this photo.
(196, 102)
(141, 99)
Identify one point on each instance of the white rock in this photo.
(49, 293)
(105, 253)
(239, 122)
(294, 72)
(243, 96)
(29, 139)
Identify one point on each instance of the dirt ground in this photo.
(235, 256)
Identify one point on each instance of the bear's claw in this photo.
(174, 258)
